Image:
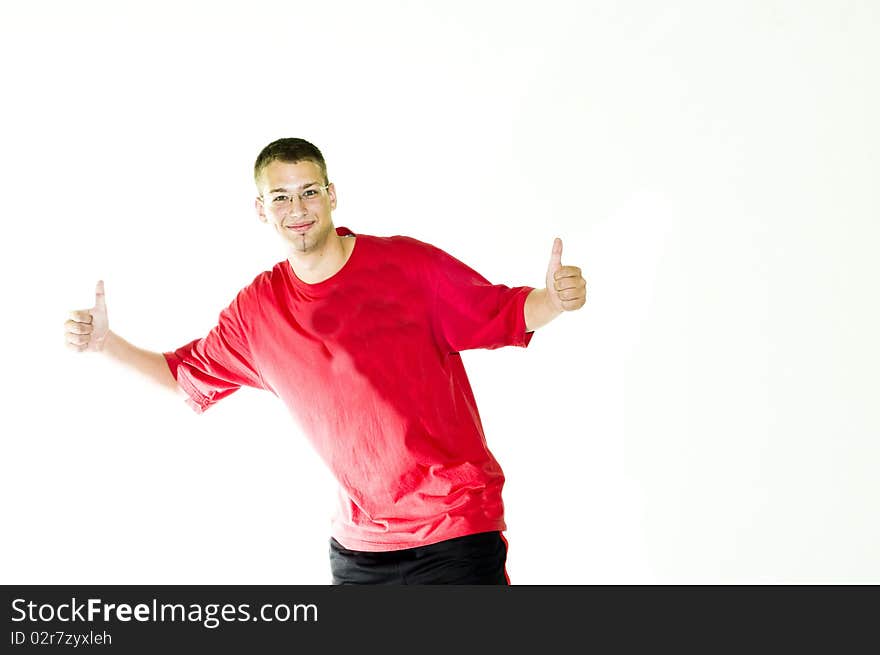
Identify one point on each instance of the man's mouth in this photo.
(301, 227)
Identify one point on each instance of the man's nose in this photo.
(297, 206)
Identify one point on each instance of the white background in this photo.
(709, 416)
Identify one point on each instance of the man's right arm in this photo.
(151, 365)
(88, 330)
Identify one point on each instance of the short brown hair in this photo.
(289, 150)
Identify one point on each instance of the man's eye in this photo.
(310, 193)
(279, 199)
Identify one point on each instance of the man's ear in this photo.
(261, 211)
(331, 191)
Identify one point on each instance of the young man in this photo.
(360, 337)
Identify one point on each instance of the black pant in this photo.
(473, 559)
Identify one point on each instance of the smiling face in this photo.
(293, 200)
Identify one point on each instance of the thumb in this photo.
(555, 257)
(100, 304)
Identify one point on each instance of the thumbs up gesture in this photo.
(86, 329)
(566, 287)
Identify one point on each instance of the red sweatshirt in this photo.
(368, 364)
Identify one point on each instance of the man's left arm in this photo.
(566, 291)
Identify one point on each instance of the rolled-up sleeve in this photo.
(470, 312)
(210, 368)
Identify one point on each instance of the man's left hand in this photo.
(566, 287)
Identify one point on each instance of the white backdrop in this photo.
(709, 416)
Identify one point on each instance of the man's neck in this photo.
(319, 265)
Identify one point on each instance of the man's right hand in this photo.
(86, 329)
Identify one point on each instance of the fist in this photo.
(566, 287)
(86, 329)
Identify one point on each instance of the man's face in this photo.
(292, 196)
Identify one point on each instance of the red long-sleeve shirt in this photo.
(368, 364)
